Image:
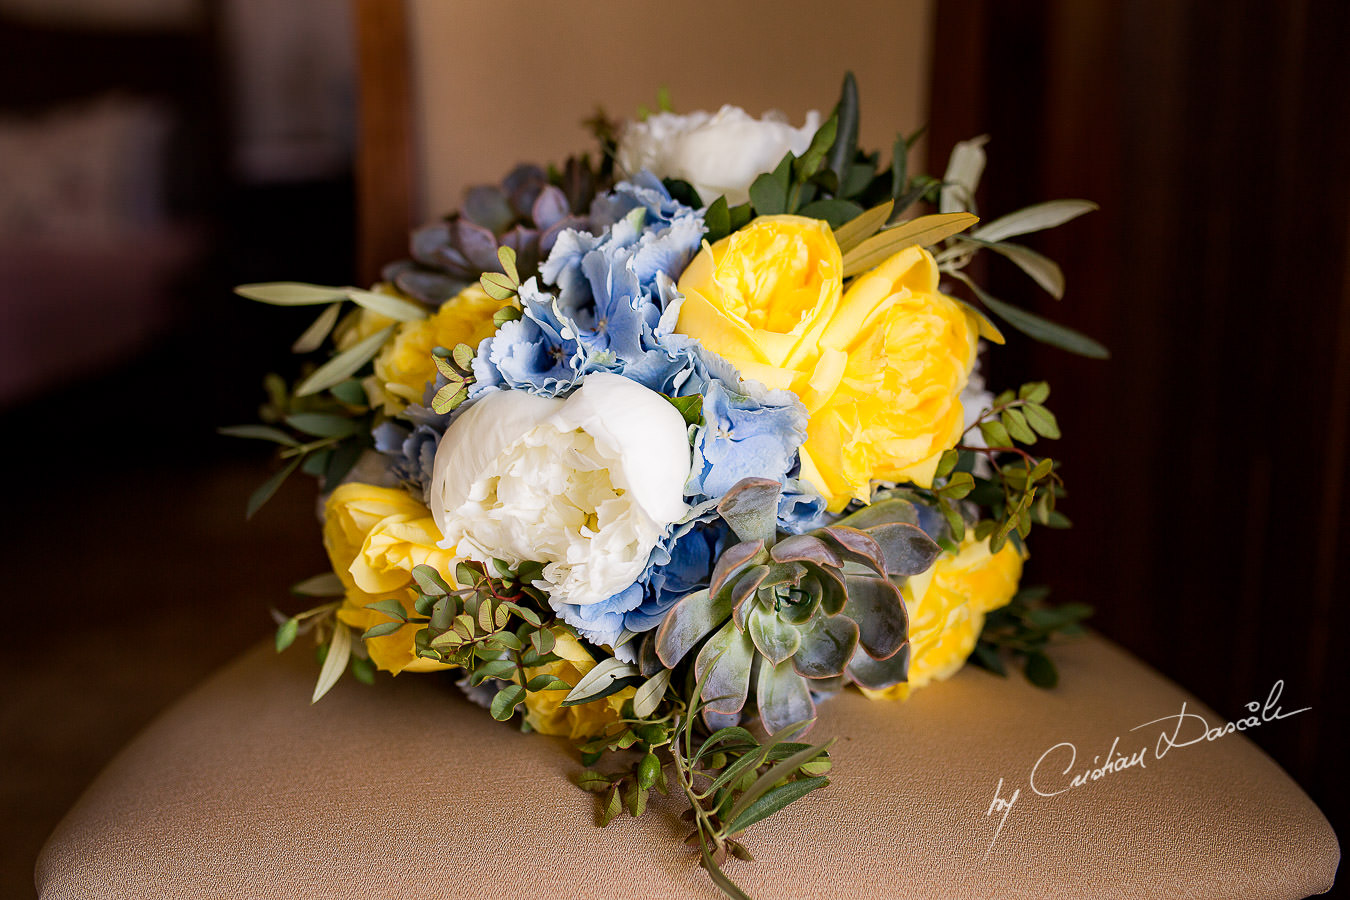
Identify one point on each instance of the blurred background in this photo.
(153, 153)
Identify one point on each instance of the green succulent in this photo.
(789, 616)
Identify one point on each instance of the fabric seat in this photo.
(404, 789)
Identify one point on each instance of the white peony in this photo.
(586, 485)
(720, 155)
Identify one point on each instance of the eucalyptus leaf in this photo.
(335, 663)
(391, 307)
(923, 231)
(286, 633)
(773, 800)
(862, 226)
(326, 584)
(344, 365)
(779, 772)
(269, 487)
(650, 694)
(323, 425)
(291, 293)
(1035, 327)
(962, 178)
(595, 682)
(1033, 218)
(381, 630)
(313, 336)
(1043, 270)
(259, 432)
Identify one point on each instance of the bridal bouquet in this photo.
(650, 450)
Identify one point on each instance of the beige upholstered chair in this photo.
(405, 790)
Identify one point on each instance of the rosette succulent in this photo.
(525, 212)
(788, 617)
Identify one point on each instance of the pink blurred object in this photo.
(87, 253)
(71, 307)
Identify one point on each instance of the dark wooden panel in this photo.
(1208, 459)
(384, 159)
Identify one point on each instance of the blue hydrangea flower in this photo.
(801, 508)
(536, 352)
(691, 557)
(615, 303)
(679, 565)
(744, 436)
(643, 190)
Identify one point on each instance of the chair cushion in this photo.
(244, 789)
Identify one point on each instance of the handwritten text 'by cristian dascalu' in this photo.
(1059, 770)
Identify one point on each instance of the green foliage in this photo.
(321, 434)
(491, 623)
(503, 285)
(456, 365)
(1023, 629)
(730, 779)
(1022, 490)
(691, 408)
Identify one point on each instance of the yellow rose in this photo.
(404, 366)
(946, 607)
(543, 709)
(351, 514)
(880, 368)
(374, 536)
(762, 296)
(886, 399)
